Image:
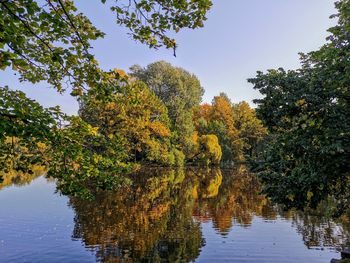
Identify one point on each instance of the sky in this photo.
(239, 38)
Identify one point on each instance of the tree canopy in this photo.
(49, 40)
(180, 91)
(128, 114)
(237, 127)
(307, 113)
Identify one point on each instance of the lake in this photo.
(186, 215)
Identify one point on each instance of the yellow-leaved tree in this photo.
(136, 117)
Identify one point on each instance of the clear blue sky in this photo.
(239, 38)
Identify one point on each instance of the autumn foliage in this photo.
(236, 127)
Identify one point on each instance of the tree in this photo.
(67, 146)
(202, 115)
(84, 160)
(307, 113)
(24, 127)
(223, 124)
(222, 111)
(137, 116)
(208, 150)
(250, 128)
(236, 126)
(219, 120)
(180, 91)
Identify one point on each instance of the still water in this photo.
(165, 216)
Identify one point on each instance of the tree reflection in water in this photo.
(237, 201)
(18, 178)
(150, 221)
(158, 218)
(318, 230)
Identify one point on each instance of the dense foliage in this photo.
(308, 115)
(208, 150)
(113, 133)
(149, 117)
(50, 41)
(238, 129)
(180, 91)
(137, 116)
(201, 132)
(25, 128)
(80, 157)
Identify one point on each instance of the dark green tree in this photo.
(307, 113)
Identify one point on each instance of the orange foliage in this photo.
(222, 111)
(159, 129)
(205, 111)
(120, 72)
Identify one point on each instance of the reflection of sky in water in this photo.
(262, 241)
(36, 225)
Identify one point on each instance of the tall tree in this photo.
(180, 91)
(307, 112)
(68, 147)
(221, 123)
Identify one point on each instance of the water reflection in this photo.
(150, 221)
(319, 231)
(159, 217)
(236, 203)
(19, 178)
